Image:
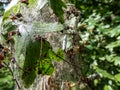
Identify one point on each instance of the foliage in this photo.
(102, 50)
(100, 6)
(6, 79)
(102, 47)
(58, 8)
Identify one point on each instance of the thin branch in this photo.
(14, 78)
(70, 63)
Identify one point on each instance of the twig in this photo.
(66, 61)
(14, 78)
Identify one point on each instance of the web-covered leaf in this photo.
(47, 27)
(33, 50)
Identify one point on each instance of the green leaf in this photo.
(57, 6)
(46, 66)
(11, 4)
(32, 3)
(29, 47)
(35, 50)
(31, 63)
(56, 56)
(110, 58)
(117, 77)
(108, 87)
(116, 60)
(104, 73)
(113, 44)
(115, 31)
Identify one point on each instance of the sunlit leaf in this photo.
(115, 31)
(117, 77)
(113, 44)
(12, 3)
(59, 55)
(108, 87)
(104, 73)
(117, 60)
(32, 3)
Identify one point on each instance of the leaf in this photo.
(35, 50)
(32, 59)
(12, 3)
(115, 31)
(31, 63)
(54, 56)
(110, 58)
(113, 44)
(29, 47)
(108, 87)
(104, 73)
(57, 6)
(117, 77)
(46, 66)
(32, 3)
(116, 60)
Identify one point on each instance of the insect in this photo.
(2, 56)
(11, 33)
(15, 16)
(1, 65)
(1, 46)
(3, 51)
(25, 1)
